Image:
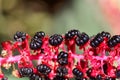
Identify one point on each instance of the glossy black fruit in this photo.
(77, 72)
(82, 39)
(24, 71)
(40, 34)
(20, 36)
(36, 43)
(60, 78)
(43, 69)
(55, 40)
(71, 33)
(5, 78)
(35, 77)
(62, 71)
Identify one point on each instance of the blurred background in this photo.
(58, 16)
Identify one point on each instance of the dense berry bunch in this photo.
(57, 58)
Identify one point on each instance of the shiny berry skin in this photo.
(105, 34)
(5, 78)
(96, 41)
(35, 77)
(36, 43)
(62, 54)
(88, 72)
(114, 41)
(24, 71)
(118, 73)
(62, 58)
(109, 78)
(43, 69)
(71, 33)
(61, 71)
(99, 77)
(55, 40)
(63, 61)
(82, 39)
(77, 72)
(20, 36)
(60, 78)
(78, 78)
(40, 34)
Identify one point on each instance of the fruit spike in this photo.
(57, 58)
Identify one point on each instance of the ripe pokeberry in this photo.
(62, 54)
(35, 77)
(118, 73)
(114, 41)
(109, 78)
(99, 77)
(60, 78)
(82, 78)
(106, 34)
(24, 71)
(20, 36)
(96, 41)
(55, 40)
(62, 71)
(43, 69)
(62, 58)
(82, 39)
(5, 78)
(36, 43)
(88, 72)
(39, 34)
(71, 33)
(77, 72)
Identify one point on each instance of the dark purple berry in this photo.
(71, 33)
(35, 77)
(82, 39)
(20, 36)
(61, 71)
(43, 69)
(55, 40)
(40, 34)
(36, 43)
(5, 78)
(77, 72)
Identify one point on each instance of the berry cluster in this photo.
(57, 59)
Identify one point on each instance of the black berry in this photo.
(82, 39)
(62, 54)
(70, 34)
(43, 69)
(99, 77)
(118, 73)
(77, 72)
(96, 41)
(114, 41)
(20, 36)
(5, 78)
(35, 77)
(62, 58)
(109, 78)
(36, 43)
(62, 71)
(60, 78)
(24, 71)
(40, 34)
(55, 40)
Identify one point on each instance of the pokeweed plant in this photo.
(57, 58)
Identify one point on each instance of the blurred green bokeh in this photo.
(39, 15)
